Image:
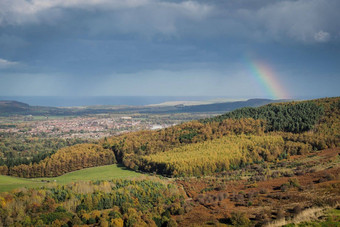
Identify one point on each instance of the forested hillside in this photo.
(290, 117)
(301, 125)
(19, 149)
(228, 152)
(130, 147)
(63, 161)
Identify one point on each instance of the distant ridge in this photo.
(13, 106)
(228, 106)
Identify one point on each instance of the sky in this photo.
(227, 48)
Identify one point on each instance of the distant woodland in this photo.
(65, 160)
(89, 203)
(17, 149)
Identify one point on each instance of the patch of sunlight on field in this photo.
(8, 183)
(108, 172)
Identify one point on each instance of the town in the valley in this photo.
(86, 127)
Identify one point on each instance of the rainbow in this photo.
(268, 80)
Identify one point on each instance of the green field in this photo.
(109, 172)
(8, 183)
(52, 117)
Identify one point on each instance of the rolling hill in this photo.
(13, 107)
(227, 106)
(107, 172)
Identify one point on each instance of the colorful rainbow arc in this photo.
(267, 79)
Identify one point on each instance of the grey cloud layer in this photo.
(301, 20)
(69, 46)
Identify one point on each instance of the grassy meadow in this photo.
(7, 183)
(108, 172)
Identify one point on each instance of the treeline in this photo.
(316, 141)
(129, 147)
(104, 203)
(300, 124)
(63, 161)
(17, 149)
(330, 122)
(288, 117)
(230, 152)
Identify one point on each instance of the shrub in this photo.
(239, 219)
(91, 221)
(297, 209)
(263, 191)
(329, 177)
(280, 214)
(284, 187)
(294, 183)
(239, 198)
(171, 223)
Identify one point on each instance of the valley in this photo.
(160, 113)
(272, 165)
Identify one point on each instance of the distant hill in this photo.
(227, 106)
(13, 107)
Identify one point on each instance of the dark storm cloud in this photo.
(93, 40)
(303, 20)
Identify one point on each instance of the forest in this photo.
(115, 203)
(199, 159)
(20, 149)
(288, 117)
(301, 125)
(63, 161)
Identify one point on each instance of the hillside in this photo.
(13, 107)
(218, 155)
(227, 106)
(107, 172)
(254, 166)
(300, 124)
(65, 160)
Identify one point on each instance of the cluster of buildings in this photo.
(82, 127)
